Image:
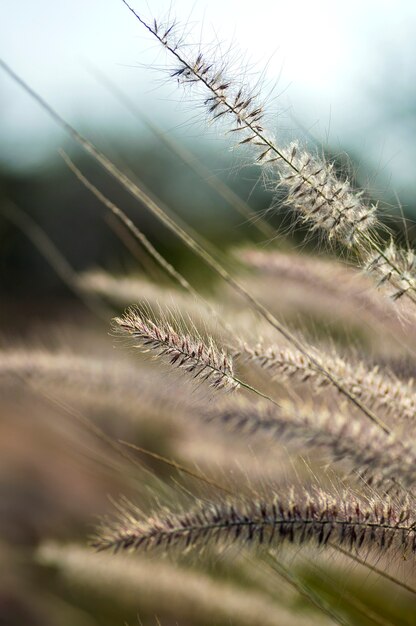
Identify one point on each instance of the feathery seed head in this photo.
(372, 386)
(204, 360)
(394, 267)
(322, 200)
(313, 188)
(383, 460)
(299, 518)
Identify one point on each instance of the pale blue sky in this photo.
(337, 64)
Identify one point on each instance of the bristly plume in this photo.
(203, 359)
(314, 190)
(372, 386)
(223, 98)
(395, 268)
(383, 461)
(321, 199)
(347, 290)
(318, 518)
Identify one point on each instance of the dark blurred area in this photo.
(82, 229)
(87, 235)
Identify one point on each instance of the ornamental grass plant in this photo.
(263, 430)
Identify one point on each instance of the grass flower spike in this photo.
(201, 359)
(305, 518)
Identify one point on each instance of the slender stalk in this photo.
(177, 466)
(338, 223)
(303, 589)
(128, 223)
(53, 255)
(190, 159)
(374, 569)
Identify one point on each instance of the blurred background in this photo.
(341, 75)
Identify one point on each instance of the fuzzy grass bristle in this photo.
(395, 268)
(315, 518)
(383, 461)
(373, 386)
(321, 199)
(313, 188)
(202, 359)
